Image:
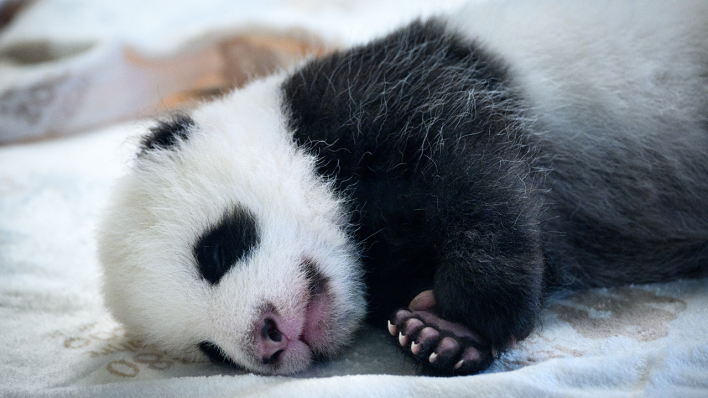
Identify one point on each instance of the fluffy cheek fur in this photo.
(237, 153)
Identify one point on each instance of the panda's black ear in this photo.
(167, 133)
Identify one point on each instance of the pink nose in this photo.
(271, 342)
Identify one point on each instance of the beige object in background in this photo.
(70, 65)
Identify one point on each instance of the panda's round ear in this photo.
(167, 133)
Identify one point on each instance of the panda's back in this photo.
(617, 93)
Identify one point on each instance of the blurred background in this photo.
(67, 66)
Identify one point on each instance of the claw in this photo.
(416, 348)
(433, 357)
(392, 328)
(402, 339)
(459, 364)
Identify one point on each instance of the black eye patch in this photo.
(225, 243)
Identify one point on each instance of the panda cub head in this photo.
(223, 241)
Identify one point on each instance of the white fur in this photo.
(637, 66)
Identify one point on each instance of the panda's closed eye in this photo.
(225, 243)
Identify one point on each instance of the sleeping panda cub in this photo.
(438, 182)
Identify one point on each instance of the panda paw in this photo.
(441, 347)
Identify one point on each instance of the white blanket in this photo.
(56, 338)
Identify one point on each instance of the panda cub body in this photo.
(439, 181)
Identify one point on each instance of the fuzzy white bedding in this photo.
(57, 339)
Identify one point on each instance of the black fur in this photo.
(419, 129)
(450, 187)
(167, 133)
(316, 282)
(636, 221)
(224, 244)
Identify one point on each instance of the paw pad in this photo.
(441, 346)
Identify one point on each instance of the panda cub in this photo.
(438, 182)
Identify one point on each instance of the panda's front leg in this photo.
(485, 297)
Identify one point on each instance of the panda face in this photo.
(223, 238)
